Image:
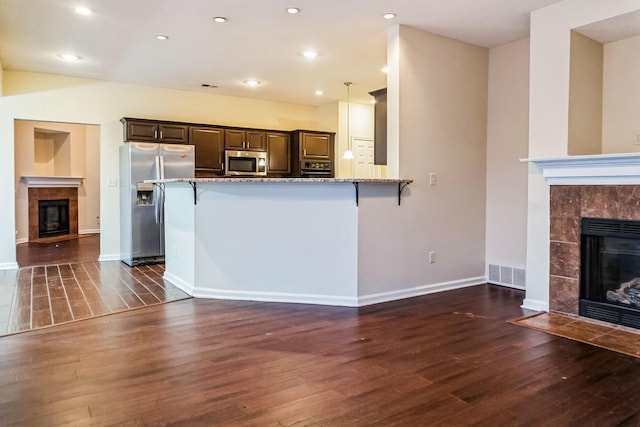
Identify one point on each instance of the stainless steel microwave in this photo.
(250, 163)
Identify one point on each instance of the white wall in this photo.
(42, 97)
(507, 143)
(437, 97)
(621, 106)
(548, 118)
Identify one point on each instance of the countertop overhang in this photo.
(401, 183)
(285, 180)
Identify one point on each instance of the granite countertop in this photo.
(284, 180)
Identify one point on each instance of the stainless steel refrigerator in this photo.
(142, 204)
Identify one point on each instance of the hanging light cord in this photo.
(348, 154)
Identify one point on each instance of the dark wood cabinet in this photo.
(245, 139)
(209, 144)
(316, 145)
(155, 131)
(380, 127)
(278, 153)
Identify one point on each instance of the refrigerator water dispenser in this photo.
(144, 192)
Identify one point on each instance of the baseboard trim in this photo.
(18, 241)
(343, 301)
(535, 305)
(420, 290)
(275, 297)
(176, 281)
(9, 266)
(90, 231)
(109, 257)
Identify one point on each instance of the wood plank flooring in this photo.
(36, 297)
(446, 359)
(60, 250)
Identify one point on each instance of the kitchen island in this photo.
(304, 240)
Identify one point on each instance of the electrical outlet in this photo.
(432, 257)
(636, 138)
(433, 178)
(113, 182)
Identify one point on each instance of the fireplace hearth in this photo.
(610, 271)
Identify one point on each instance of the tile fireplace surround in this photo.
(52, 193)
(594, 186)
(568, 204)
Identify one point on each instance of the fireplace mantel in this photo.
(598, 169)
(52, 181)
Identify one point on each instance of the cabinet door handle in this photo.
(304, 151)
(160, 134)
(155, 134)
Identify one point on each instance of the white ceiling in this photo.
(259, 41)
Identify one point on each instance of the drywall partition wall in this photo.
(621, 108)
(507, 143)
(548, 118)
(45, 97)
(585, 96)
(438, 88)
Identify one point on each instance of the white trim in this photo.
(109, 257)
(90, 231)
(535, 305)
(275, 297)
(420, 290)
(53, 181)
(8, 266)
(176, 281)
(600, 169)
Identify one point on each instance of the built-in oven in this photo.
(249, 163)
(316, 169)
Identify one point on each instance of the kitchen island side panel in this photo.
(288, 242)
(179, 223)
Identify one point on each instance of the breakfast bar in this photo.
(301, 240)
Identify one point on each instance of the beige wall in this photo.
(507, 143)
(42, 97)
(585, 96)
(82, 160)
(361, 119)
(437, 96)
(621, 103)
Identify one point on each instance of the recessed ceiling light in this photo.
(162, 37)
(389, 15)
(385, 70)
(82, 10)
(220, 19)
(310, 54)
(293, 10)
(69, 57)
(319, 93)
(252, 83)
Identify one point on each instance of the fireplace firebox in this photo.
(53, 217)
(610, 271)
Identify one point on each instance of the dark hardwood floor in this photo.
(62, 250)
(446, 359)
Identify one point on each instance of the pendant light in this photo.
(348, 154)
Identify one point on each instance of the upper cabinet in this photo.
(209, 144)
(314, 145)
(155, 131)
(380, 127)
(245, 139)
(278, 153)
